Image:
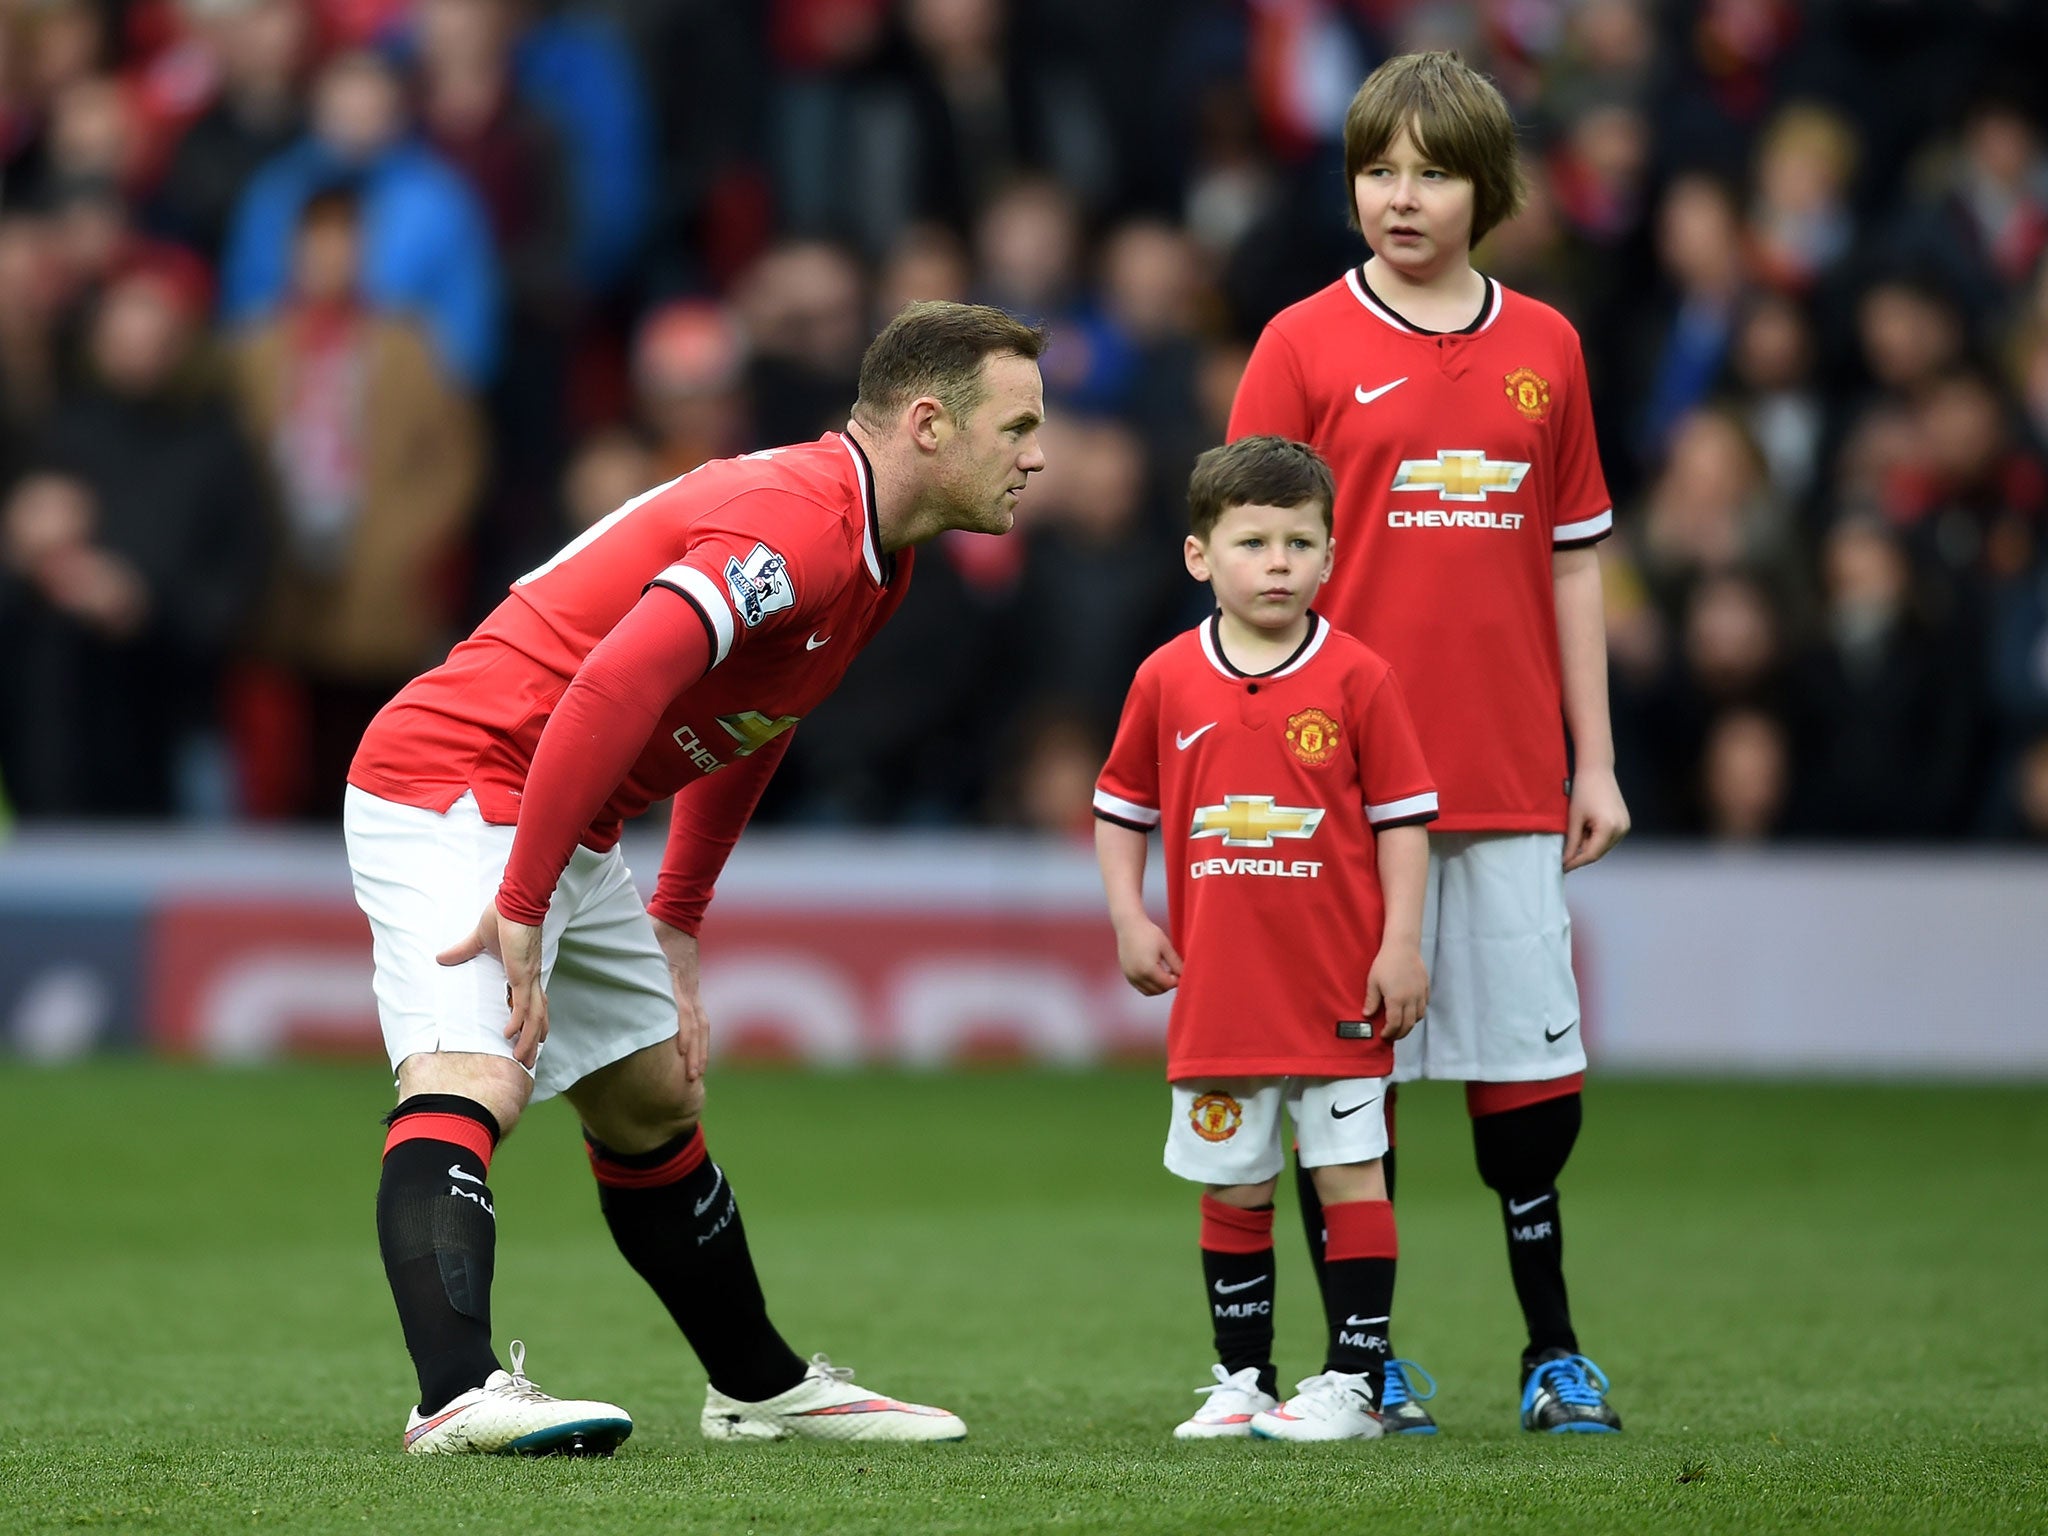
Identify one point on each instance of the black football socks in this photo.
(1358, 1287)
(438, 1232)
(1521, 1152)
(673, 1215)
(1237, 1278)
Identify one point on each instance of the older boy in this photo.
(1455, 415)
(1277, 757)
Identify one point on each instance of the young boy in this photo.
(1456, 418)
(1277, 758)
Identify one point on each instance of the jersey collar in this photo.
(1212, 647)
(1380, 309)
(882, 567)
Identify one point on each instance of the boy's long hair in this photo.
(1258, 472)
(1458, 120)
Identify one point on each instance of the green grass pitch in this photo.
(1824, 1308)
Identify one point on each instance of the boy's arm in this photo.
(1142, 948)
(1597, 818)
(1398, 978)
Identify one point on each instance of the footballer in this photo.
(670, 650)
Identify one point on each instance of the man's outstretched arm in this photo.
(597, 731)
(704, 824)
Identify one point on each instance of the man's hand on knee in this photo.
(693, 1025)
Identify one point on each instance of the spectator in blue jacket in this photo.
(427, 246)
(578, 72)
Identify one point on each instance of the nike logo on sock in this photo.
(717, 1184)
(1523, 1207)
(1553, 1039)
(1344, 1114)
(457, 1173)
(1362, 1322)
(1242, 1285)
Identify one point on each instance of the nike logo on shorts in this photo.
(1523, 1207)
(1367, 396)
(1242, 1285)
(814, 642)
(1553, 1039)
(1345, 1114)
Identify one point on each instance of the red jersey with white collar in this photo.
(1267, 790)
(1463, 461)
(776, 554)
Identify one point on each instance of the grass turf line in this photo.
(1820, 1306)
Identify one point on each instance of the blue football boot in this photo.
(1564, 1393)
(1401, 1409)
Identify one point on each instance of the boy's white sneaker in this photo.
(1332, 1406)
(1233, 1401)
(509, 1416)
(825, 1405)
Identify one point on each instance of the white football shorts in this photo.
(423, 878)
(1497, 938)
(1227, 1130)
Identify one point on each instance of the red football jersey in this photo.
(1267, 790)
(779, 555)
(1463, 460)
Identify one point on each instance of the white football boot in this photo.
(1233, 1401)
(825, 1405)
(509, 1416)
(1332, 1406)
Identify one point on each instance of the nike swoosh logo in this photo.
(1242, 1285)
(426, 1424)
(718, 1184)
(1523, 1207)
(1184, 742)
(1553, 1039)
(457, 1173)
(1367, 396)
(814, 642)
(1362, 1322)
(1345, 1114)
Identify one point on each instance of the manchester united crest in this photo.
(1216, 1116)
(1313, 735)
(1530, 392)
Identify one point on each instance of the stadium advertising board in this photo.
(930, 951)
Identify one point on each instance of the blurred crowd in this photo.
(321, 320)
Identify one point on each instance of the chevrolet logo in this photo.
(1253, 821)
(1459, 474)
(754, 730)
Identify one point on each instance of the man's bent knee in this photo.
(498, 1083)
(641, 1102)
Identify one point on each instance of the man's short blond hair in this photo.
(935, 347)
(1458, 119)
